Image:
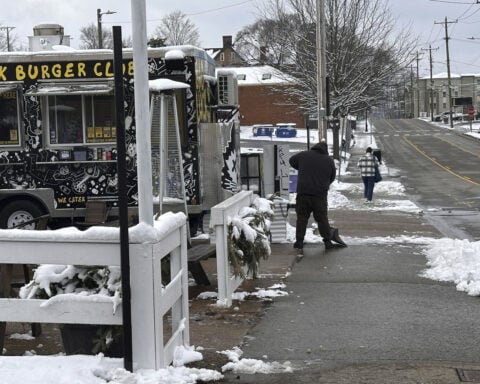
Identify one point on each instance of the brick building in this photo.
(261, 98)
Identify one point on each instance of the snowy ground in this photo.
(453, 260)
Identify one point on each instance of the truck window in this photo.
(65, 119)
(100, 119)
(9, 117)
(81, 119)
(77, 113)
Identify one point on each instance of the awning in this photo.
(53, 89)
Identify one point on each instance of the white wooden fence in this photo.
(151, 302)
(219, 220)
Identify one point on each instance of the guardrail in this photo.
(150, 299)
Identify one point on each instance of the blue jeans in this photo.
(369, 184)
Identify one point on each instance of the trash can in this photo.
(378, 154)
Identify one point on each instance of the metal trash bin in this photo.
(378, 154)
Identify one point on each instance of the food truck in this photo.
(58, 131)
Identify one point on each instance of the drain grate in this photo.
(469, 375)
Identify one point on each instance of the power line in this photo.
(219, 9)
(453, 2)
(191, 14)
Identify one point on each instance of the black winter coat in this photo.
(316, 170)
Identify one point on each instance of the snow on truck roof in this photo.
(159, 85)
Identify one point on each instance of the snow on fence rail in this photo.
(150, 300)
(219, 220)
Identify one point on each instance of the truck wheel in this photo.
(17, 212)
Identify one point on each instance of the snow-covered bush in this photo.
(49, 281)
(249, 237)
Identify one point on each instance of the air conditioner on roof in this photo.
(227, 88)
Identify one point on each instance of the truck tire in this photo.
(17, 212)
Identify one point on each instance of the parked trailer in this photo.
(58, 132)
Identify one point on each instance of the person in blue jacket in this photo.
(316, 171)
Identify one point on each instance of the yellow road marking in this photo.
(467, 179)
(464, 178)
(458, 147)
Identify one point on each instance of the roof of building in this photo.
(260, 75)
(444, 75)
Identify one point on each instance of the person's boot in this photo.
(328, 244)
(298, 244)
(336, 237)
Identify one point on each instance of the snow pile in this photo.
(457, 261)
(252, 366)
(261, 293)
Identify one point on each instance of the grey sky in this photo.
(215, 18)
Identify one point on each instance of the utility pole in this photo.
(8, 29)
(431, 77)
(412, 101)
(417, 89)
(446, 22)
(321, 69)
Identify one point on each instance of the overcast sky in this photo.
(215, 18)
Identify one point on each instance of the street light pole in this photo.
(99, 25)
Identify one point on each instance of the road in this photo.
(440, 170)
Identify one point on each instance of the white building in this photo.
(433, 94)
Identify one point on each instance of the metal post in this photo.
(122, 199)
(144, 150)
(366, 119)
(99, 28)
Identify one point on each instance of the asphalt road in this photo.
(440, 169)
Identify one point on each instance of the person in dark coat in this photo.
(316, 171)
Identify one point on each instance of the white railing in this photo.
(150, 300)
(219, 219)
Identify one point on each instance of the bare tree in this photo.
(176, 29)
(363, 49)
(89, 37)
(8, 39)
